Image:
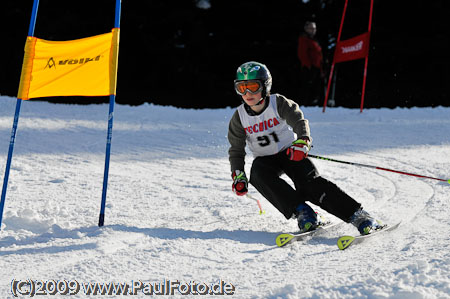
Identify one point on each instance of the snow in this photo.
(171, 215)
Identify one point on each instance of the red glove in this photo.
(240, 182)
(299, 149)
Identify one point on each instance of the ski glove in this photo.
(299, 149)
(240, 182)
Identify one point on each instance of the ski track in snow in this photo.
(170, 213)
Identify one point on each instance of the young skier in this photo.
(275, 131)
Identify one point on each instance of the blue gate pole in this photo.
(15, 122)
(112, 99)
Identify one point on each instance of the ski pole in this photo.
(379, 168)
(261, 211)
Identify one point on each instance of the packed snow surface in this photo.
(171, 216)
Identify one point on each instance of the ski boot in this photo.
(364, 222)
(306, 217)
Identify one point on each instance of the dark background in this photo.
(175, 53)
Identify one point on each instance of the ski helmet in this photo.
(255, 71)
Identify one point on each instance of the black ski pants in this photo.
(265, 176)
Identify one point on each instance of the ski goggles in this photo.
(252, 86)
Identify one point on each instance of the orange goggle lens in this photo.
(252, 86)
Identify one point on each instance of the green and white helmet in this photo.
(253, 70)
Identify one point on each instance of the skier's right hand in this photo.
(240, 182)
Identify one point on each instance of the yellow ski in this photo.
(345, 241)
(286, 238)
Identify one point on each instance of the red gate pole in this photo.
(332, 65)
(367, 58)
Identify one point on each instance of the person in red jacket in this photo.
(311, 60)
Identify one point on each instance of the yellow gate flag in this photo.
(82, 67)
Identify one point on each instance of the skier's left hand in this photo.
(299, 149)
